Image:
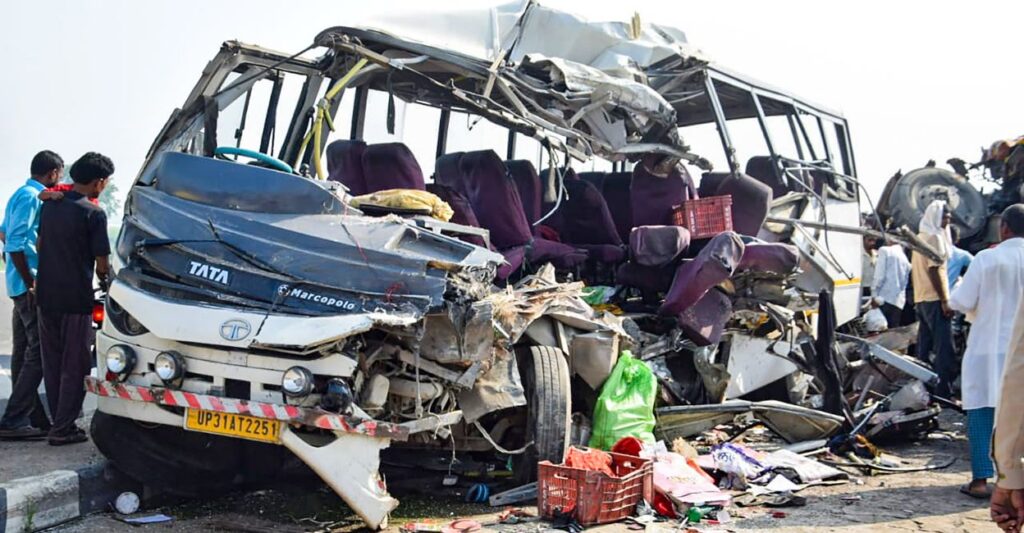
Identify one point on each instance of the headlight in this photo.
(120, 359)
(170, 366)
(297, 381)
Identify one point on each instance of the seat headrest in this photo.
(391, 166)
(345, 165)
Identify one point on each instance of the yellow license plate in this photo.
(232, 425)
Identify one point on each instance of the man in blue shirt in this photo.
(959, 259)
(25, 417)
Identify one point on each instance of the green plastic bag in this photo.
(625, 407)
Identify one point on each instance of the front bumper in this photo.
(290, 414)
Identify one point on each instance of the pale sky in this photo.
(916, 80)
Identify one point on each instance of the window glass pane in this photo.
(810, 124)
(704, 141)
(375, 128)
(468, 133)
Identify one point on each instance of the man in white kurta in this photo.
(989, 295)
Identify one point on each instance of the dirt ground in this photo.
(921, 501)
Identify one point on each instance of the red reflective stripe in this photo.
(145, 393)
(122, 392)
(268, 410)
(168, 399)
(293, 412)
(193, 402)
(217, 404)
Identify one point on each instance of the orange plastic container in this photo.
(595, 497)
(705, 217)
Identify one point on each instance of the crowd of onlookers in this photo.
(952, 291)
(55, 242)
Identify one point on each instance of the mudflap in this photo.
(349, 466)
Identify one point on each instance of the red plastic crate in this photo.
(705, 217)
(595, 497)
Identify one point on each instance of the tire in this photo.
(183, 463)
(918, 188)
(545, 374)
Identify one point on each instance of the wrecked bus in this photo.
(270, 305)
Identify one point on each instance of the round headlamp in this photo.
(297, 381)
(120, 359)
(169, 366)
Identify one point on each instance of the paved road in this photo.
(6, 308)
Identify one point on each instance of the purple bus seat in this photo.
(514, 259)
(391, 166)
(345, 165)
(462, 210)
(751, 201)
(653, 197)
(772, 257)
(764, 169)
(658, 246)
(586, 219)
(704, 321)
(709, 183)
(528, 184)
(647, 279)
(594, 178)
(616, 196)
(448, 172)
(557, 219)
(713, 265)
(588, 224)
(498, 208)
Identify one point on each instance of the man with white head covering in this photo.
(931, 297)
(989, 294)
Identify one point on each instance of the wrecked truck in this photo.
(267, 307)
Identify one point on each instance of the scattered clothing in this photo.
(989, 296)
(589, 459)
(979, 436)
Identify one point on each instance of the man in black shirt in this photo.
(72, 239)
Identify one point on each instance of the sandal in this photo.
(981, 495)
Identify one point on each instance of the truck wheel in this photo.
(545, 374)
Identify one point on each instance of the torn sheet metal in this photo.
(901, 362)
(464, 334)
(685, 421)
(792, 423)
(593, 356)
(500, 387)
(753, 362)
(795, 423)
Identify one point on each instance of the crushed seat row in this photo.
(619, 223)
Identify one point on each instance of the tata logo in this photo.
(235, 330)
(209, 272)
